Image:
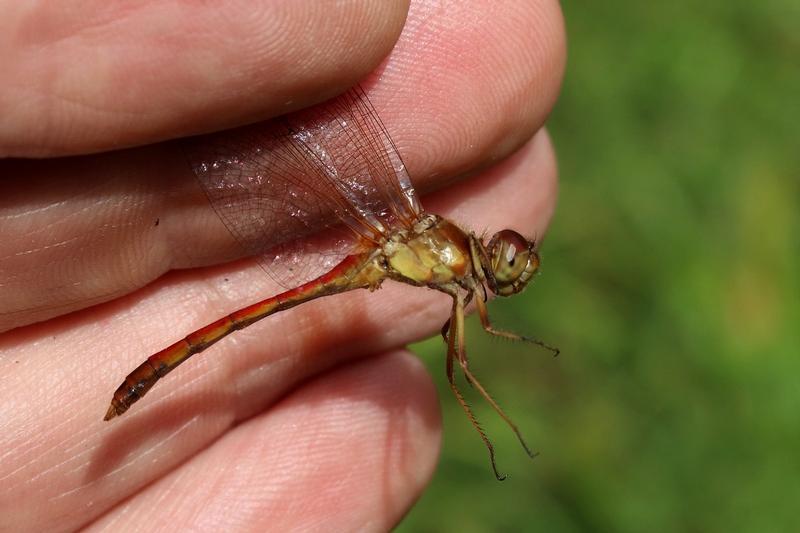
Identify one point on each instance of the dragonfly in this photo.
(333, 170)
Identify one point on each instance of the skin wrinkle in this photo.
(43, 248)
(70, 459)
(142, 456)
(35, 457)
(34, 211)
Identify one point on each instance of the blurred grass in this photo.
(671, 282)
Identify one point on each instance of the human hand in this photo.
(330, 425)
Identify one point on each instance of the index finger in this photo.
(102, 75)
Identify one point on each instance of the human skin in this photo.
(113, 254)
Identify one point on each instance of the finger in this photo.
(85, 230)
(101, 75)
(58, 376)
(469, 82)
(366, 434)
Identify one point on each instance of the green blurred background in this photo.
(670, 281)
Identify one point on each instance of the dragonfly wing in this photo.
(278, 183)
(348, 139)
(300, 260)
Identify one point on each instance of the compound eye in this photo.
(513, 261)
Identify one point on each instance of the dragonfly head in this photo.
(512, 262)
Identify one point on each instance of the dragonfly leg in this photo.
(445, 329)
(462, 359)
(446, 326)
(487, 325)
(455, 349)
(477, 384)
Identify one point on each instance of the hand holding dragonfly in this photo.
(216, 432)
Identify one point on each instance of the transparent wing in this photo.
(276, 185)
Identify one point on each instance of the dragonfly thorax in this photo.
(434, 252)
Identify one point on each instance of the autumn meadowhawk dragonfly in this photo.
(335, 167)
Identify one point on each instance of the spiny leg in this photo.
(487, 325)
(455, 347)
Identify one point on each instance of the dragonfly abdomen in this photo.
(354, 272)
